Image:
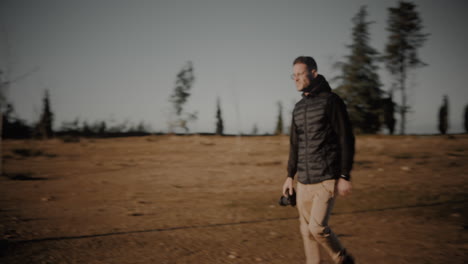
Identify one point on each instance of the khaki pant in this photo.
(315, 203)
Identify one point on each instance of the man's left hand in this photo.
(343, 187)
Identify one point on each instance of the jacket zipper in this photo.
(306, 139)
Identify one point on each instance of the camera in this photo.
(288, 199)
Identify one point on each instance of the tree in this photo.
(12, 126)
(255, 129)
(143, 128)
(443, 116)
(405, 26)
(184, 82)
(219, 118)
(86, 130)
(466, 119)
(102, 129)
(388, 113)
(44, 127)
(279, 122)
(360, 87)
(71, 127)
(4, 82)
(119, 128)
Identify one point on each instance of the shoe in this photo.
(346, 258)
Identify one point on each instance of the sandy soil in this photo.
(207, 199)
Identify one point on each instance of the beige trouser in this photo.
(315, 203)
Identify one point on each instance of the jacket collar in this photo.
(317, 85)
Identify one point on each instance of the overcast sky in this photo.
(117, 60)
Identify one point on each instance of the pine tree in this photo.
(466, 119)
(404, 25)
(86, 129)
(44, 126)
(388, 113)
(360, 87)
(4, 83)
(184, 83)
(219, 118)
(12, 126)
(142, 128)
(254, 129)
(279, 122)
(443, 116)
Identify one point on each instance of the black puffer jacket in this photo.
(321, 139)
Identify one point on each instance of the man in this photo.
(321, 153)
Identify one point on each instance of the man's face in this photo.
(302, 76)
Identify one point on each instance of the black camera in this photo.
(288, 199)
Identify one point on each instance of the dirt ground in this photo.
(208, 199)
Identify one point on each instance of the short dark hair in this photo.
(308, 61)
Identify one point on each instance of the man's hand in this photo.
(288, 184)
(343, 187)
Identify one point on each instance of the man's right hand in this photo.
(288, 184)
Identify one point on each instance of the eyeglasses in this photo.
(294, 76)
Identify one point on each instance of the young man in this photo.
(321, 153)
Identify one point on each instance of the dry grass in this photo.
(196, 199)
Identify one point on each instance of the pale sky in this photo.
(118, 60)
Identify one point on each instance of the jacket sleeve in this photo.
(342, 127)
(293, 150)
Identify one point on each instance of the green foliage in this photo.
(219, 118)
(405, 26)
(443, 116)
(184, 82)
(360, 87)
(279, 122)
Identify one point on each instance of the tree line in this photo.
(370, 107)
(16, 128)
